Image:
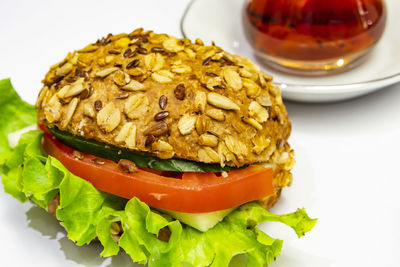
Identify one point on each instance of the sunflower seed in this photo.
(120, 78)
(127, 166)
(76, 88)
(253, 123)
(42, 95)
(89, 111)
(105, 72)
(162, 146)
(208, 140)
(136, 72)
(200, 101)
(221, 101)
(64, 70)
(215, 114)
(70, 112)
(52, 111)
(63, 91)
(116, 228)
(134, 86)
(98, 161)
(201, 124)
(77, 154)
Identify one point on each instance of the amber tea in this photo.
(313, 35)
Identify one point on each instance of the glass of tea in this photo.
(313, 36)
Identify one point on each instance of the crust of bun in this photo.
(172, 98)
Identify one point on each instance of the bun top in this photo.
(169, 97)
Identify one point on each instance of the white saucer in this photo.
(221, 21)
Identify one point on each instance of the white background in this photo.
(347, 170)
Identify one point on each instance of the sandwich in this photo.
(171, 150)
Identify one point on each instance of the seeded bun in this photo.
(171, 98)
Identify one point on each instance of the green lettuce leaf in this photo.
(236, 234)
(87, 213)
(106, 223)
(15, 114)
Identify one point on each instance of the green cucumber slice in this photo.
(144, 160)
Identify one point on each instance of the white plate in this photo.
(220, 21)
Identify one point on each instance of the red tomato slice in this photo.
(193, 193)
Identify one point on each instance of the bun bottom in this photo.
(270, 201)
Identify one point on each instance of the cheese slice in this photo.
(200, 221)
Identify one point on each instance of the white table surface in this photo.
(347, 170)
